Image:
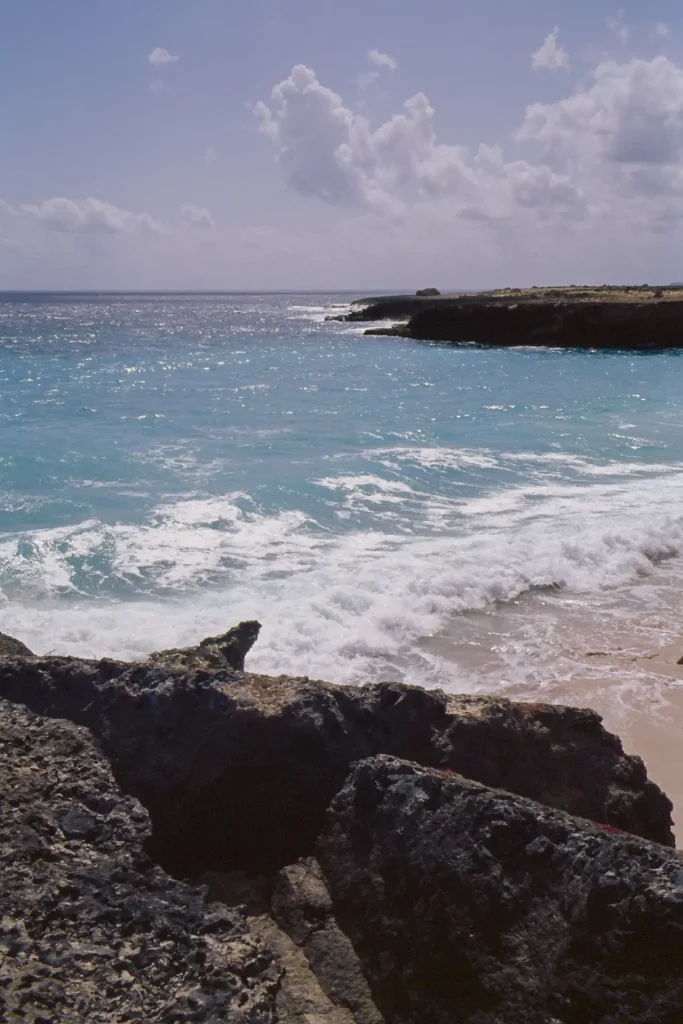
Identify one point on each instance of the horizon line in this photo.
(195, 291)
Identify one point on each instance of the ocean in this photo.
(476, 519)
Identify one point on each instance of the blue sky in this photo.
(119, 171)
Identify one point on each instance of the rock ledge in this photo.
(354, 855)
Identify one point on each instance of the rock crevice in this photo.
(238, 769)
(357, 855)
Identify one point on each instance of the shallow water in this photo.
(472, 518)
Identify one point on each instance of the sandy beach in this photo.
(618, 652)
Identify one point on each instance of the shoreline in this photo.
(642, 318)
(617, 652)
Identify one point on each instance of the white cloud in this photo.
(550, 56)
(160, 55)
(589, 187)
(328, 151)
(88, 215)
(662, 30)
(606, 158)
(158, 86)
(196, 216)
(618, 27)
(210, 155)
(382, 60)
(630, 113)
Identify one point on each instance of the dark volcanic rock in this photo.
(605, 318)
(468, 905)
(225, 651)
(427, 293)
(11, 648)
(441, 900)
(292, 914)
(237, 769)
(90, 929)
(616, 325)
(303, 908)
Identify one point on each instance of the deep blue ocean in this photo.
(172, 464)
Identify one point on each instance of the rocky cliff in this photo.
(606, 318)
(183, 840)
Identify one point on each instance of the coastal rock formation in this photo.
(428, 293)
(91, 930)
(11, 648)
(577, 317)
(342, 865)
(303, 907)
(618, 325)
(225, 651)
(474, 906)
(239, 769)
(293, 915)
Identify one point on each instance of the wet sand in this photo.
(617, 652)
(655, 734)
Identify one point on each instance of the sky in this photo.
(311, 145)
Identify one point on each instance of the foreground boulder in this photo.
(433, 899)
(468, 905)
(90, 929)
(238, 769)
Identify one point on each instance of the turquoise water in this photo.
(171, 464)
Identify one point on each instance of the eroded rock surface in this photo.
(649, 325)
(468, 905)
(302, 906)
(11, 648)
(619, 317)
(225, 651)
(292, 912)
(239, 769)
(91, 930)
(440, 901)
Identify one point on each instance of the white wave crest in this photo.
(350, 607)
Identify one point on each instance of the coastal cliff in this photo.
(640, 318)
(186, 841)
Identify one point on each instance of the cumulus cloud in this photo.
(160, 55)
(328, 151)
(619, 136)
(611, 150)
(550, 56)
(88, 215)
(625, 113)
(197, 216)
(382, 60)
(662, 30)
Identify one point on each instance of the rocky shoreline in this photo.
(639, 318)
(183, 840)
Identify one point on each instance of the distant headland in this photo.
(642, 317)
